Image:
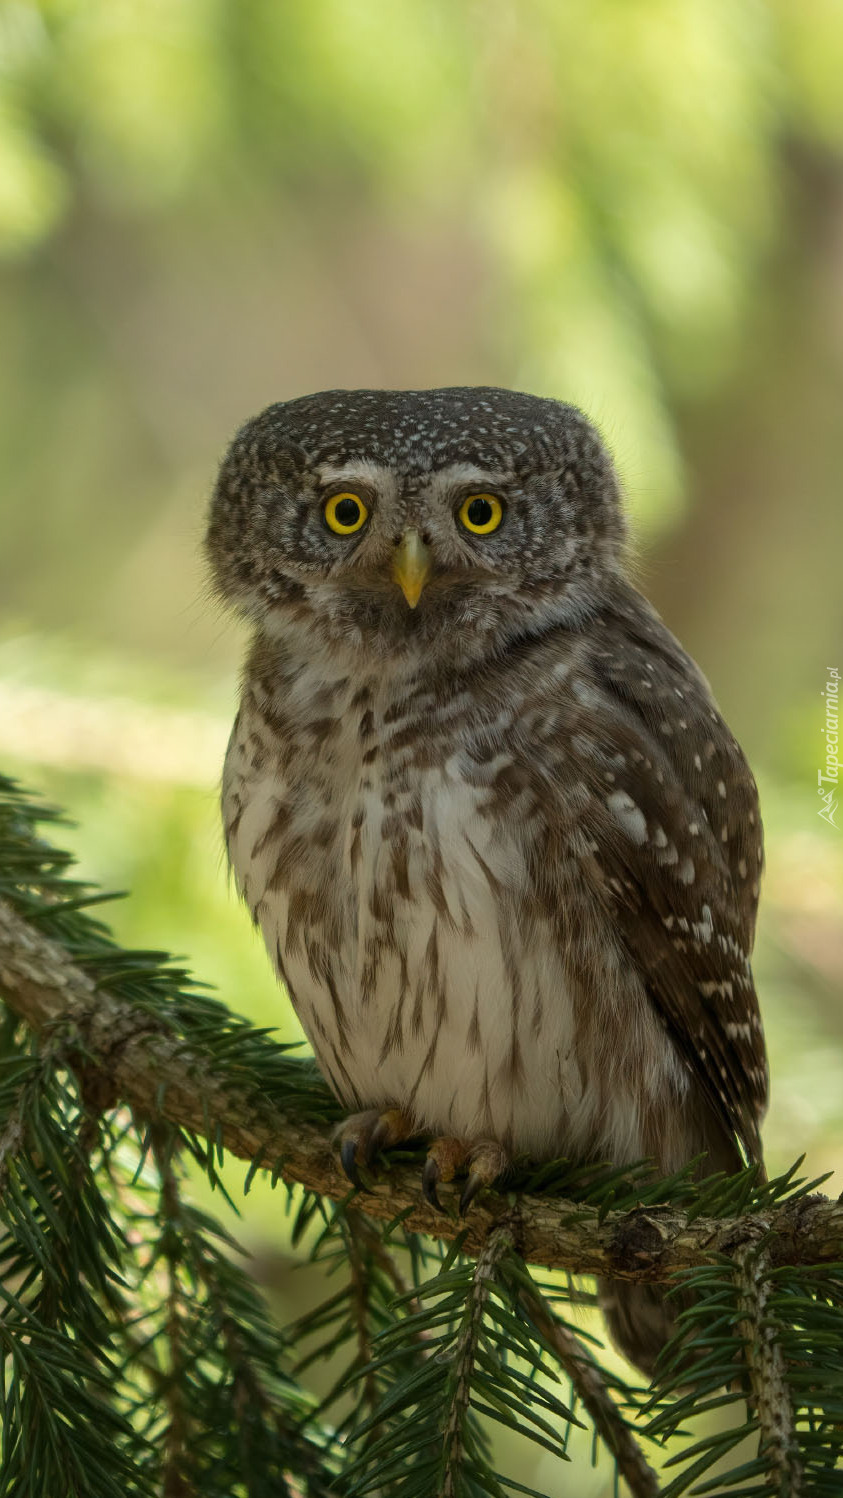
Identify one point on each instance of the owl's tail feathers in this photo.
(640, 1319)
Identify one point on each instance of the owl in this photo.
(503, 849)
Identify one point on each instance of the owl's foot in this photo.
(363, 1134)
(446, 1158)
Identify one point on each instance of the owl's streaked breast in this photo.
(390, 885)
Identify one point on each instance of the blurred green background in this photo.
(208, 206)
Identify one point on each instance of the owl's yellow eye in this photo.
(345, 513)
(481, 513)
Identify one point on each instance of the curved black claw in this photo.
(430, 1180)
(476, 1181)
(348, 1159)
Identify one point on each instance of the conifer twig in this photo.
(360, 1293)
(498, 1243)
(770, 1397)
(175, 1480)
(13, 1132)
(588, 1381)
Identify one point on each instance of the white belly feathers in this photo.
(390, 905)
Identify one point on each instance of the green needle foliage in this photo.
(139, 1358)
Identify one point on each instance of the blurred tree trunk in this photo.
(747, 567)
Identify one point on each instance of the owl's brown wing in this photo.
(676, 851)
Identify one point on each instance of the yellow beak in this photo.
(411, 566)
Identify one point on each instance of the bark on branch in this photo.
(132, 1059)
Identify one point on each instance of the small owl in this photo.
(503, 849)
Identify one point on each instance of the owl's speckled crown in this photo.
(417, 430)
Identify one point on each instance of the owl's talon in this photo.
(475, 1183)
(363, 1134)
(430, 1179)
(348, 1160)
(487, 1163)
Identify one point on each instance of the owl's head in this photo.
(404, 520)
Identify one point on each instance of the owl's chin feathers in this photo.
(454, 626)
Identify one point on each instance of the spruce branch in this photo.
(464, 1357)
(66, 1426)
(13, 1133)
(357, 1243)
(475, 1343)
(588, 1380)
(373, 1298)
(770, 1397)
(176, 1437)
(134, 1054)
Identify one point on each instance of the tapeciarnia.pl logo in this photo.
(828, 780)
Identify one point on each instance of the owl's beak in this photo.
(411, 566)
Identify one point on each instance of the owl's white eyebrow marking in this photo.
(468, 473)
(360, 470)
